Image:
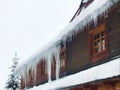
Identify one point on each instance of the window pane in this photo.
(62, 62)
(103, 44)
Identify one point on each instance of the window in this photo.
(98, 43)
(62, 59)
(62, 55)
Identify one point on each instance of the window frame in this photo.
(104, 53)
(62, 57)
(62, 60)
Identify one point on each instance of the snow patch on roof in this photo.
(103, 71)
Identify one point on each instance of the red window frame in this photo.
(98, 43)
(62, 59)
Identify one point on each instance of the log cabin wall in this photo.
(41, 73)
(114, 34)
(53, 68)
(78, 50)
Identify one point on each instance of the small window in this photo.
(62, 58)
(98, 43)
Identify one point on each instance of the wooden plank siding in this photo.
(41, 77)
(114, 34)
(78, 52)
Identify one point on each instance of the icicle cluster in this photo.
(23, 70)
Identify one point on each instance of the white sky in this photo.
(28, 25)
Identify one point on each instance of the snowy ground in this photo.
(106, 70)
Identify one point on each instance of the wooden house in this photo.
(88, 50)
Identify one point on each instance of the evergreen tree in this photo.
(13, 82)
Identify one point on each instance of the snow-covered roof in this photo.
(103, 71)
(90, 13)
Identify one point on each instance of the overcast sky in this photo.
(28, 25)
